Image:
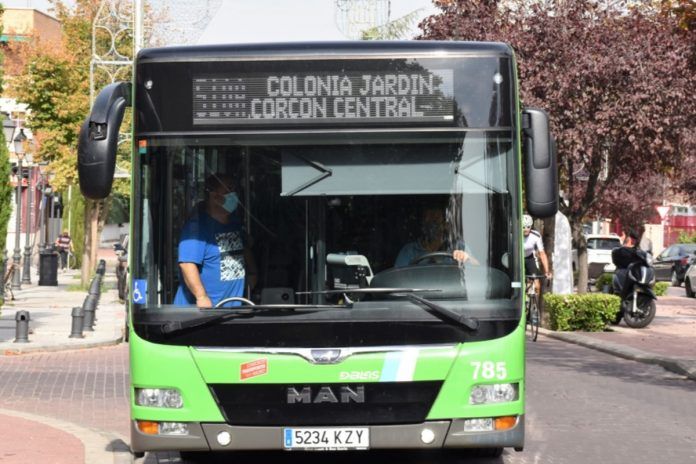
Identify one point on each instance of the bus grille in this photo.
(268, 404)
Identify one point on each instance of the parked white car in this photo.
(599, 248)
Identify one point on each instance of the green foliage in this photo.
(56, 91)
(5, 192)
(602, 280)
(2, 55)
(590, 312)
(661, 288)
(685, 237)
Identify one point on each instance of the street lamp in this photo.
(26, 273)
(8, 128)
(19, 142)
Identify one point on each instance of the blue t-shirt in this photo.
(218, 250)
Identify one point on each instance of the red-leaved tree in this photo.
(617, 83)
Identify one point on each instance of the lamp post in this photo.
(8, 128)
(45, 191)
(19, 141)
(26, 273)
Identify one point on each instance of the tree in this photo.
(55, 85)
(5, 193)
(614, 80)
(2, 56)
(5, 187)
(683, 10)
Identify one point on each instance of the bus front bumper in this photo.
(447, 434)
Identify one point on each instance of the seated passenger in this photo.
(214, 262)
(433, 239)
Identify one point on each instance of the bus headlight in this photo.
(159, 398)
(494, 393)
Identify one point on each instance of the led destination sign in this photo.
(422, 96)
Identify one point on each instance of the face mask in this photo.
(231, 202)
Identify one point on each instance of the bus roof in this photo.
(311, 50)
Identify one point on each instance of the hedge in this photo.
(661, 288)
(589, 312)
(602, 280)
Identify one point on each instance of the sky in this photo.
(240, 21)
(284, 21)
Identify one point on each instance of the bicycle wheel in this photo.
(533, 318)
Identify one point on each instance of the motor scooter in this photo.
(634, 284)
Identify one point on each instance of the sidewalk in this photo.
(669, 341)
(50, 311)
(32, 438)
(28, 438)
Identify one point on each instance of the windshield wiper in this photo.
(443, 313)
(237, 312)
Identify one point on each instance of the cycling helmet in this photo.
(527, 221)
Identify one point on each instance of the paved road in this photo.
(583, 406)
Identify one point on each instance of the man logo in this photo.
(345, 395)
(325, 356)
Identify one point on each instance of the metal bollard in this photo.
(101, 268)
(95, 286)
(78, 316)
(88, 307)
(22, 330)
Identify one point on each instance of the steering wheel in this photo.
(434, 254)
(235, 298)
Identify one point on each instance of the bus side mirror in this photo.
(98, 141)
(540, 162)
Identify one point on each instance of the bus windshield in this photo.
(316, 219)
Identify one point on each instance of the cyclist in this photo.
(533, 250)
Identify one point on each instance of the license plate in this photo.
(334, 439)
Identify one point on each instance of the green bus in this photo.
(360, 170)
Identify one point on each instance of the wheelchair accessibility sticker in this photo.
(139, 291)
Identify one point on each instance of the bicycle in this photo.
(533, 308)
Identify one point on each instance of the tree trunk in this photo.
(550, 239)
(581, 246)
(94, 235)
(86, 251)
(89, 255)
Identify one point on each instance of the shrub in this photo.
(602, 280)
(591, 312)
(661, 288)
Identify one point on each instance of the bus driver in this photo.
(214, 262)
(432, 239)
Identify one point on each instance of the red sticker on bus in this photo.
(251, 369)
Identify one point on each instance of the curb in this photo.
(100, 447)
(54, 348)
(676, 365)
